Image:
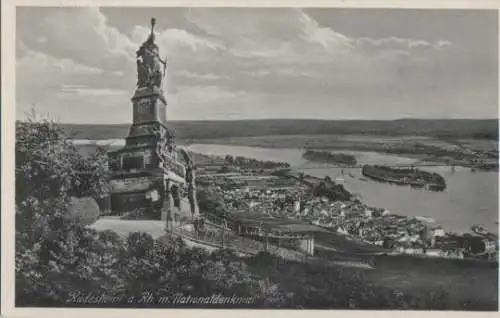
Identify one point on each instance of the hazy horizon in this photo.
(255, 63)
(286, 119)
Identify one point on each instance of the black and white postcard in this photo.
(246, 157)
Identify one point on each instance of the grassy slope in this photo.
(464, 281)
(443, 128)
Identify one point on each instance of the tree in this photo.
(49, 165)
(48, 174)
(229, 159)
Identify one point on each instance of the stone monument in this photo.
(150, 175)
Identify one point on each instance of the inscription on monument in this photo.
(144, 110)
(132, 184)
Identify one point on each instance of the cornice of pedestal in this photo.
(149, 91)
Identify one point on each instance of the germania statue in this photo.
(151, 68)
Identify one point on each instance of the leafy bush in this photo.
(49, 171)
(48, 165)
(74, 260)
(84, 211)
(211, 201)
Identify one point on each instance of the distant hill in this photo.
(185, 130)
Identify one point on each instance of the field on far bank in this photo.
(479, 145)
(210, 129)
(355, 142)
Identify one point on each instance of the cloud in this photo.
(442, 44)
(37, 62)
(173, 38)
(228, 61)
(290, 36)
(85, 91)
(206, 76)
(213, 102)
(287, 49)
(85, 34)
(412, 46)
(330, 40)
(74, 53)
(41, 39)
(40, 78)
(262, 34)
(38, 73)
(208, 94)
(288, 72)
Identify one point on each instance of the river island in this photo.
(331, 158)
(405, 176)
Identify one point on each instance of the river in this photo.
(470, 198)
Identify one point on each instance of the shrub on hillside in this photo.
(316, 286)
(210, 201)
(75, 261)
(172, 269)
(49, 165)
(83, 211)
(50, 170)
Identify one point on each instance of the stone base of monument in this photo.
(183, 214)
(123, 228)
(155, 228)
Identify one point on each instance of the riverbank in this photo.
(466, 152)
(402, 234)
(479, 154)
(470, 198)
(329, 205)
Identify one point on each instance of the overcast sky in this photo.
(78, 64)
